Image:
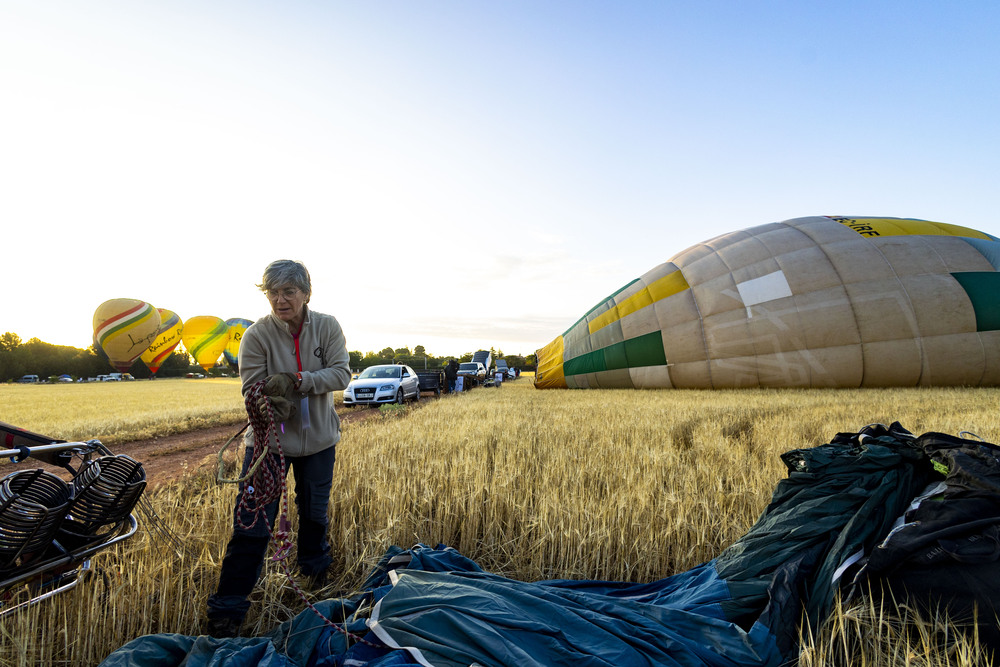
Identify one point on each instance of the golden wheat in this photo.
(611, 484)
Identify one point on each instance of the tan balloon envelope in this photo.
(810, 302)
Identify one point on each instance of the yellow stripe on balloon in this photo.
(661, 288)
(872, 227)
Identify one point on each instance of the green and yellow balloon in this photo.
(205, 338)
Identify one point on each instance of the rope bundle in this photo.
(265, 482)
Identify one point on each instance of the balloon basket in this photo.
(51, 525)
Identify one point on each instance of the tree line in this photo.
(35, 357)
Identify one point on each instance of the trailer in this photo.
(51, 525)
(432, 379)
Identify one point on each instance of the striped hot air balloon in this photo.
(168, 338)
(205, 337)
(124, 328)
(811, 302)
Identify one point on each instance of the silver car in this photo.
(390, 383)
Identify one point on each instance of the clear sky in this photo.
(468, 174)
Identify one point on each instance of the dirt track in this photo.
(168, 458)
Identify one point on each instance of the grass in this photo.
(611, 484)
(115, 412)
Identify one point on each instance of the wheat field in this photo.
(115, 412)
(611, 484)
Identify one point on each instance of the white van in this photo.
(29, 379)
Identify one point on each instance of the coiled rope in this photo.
(265, 482)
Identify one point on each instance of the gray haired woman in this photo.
(302, 358)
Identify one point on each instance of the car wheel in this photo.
(399, 397)
(416, 397)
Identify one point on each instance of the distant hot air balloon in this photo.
(166, 340)
(237, 326)
(124, 328)
(810, 302)
(205, 337)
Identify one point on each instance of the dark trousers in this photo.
(244, 557)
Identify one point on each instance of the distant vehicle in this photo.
(473, 369)
(28, 379)
(194, 375)
(65, 378)
(485, 357)
(501, 367)
(387, 383)
(110, 377)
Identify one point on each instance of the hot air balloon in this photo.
(166, 340)
(205, 337)
(237, 326)
(124, 328)
(809, 302)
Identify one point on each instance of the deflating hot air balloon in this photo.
(809, 302)
(166, 340)
(205, 337)
(237, 326)
(124, 328)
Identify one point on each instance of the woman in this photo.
(302, 358)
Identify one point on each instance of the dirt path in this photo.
(171, 457)
(168, 458)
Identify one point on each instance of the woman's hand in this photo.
(280, 384)
(282, 408)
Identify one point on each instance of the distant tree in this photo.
(419, 351)
(11, 366)
(356, 359)
(9, 342)
(176, 365)
(516, 361)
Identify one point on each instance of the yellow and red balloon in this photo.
(125, 328)
(168, 338)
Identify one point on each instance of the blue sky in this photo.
(461, 175)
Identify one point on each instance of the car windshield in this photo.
(380, 373)
(468, 366)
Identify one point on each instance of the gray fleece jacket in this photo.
(268, 347)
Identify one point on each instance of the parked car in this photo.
(472, 368)
(389, 383)
(28, 379)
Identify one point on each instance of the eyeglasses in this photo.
(288, 293)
